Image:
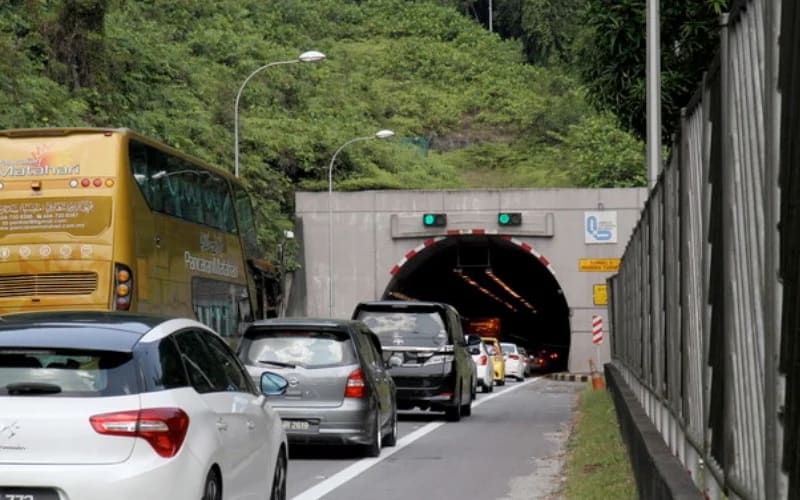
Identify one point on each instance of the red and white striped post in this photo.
(597, 339)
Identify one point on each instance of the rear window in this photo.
(490, 347)
(66, 373)
(509, 347)
(406, 329)
(306, 348)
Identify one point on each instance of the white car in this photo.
(483, 364)
(515, 365)
(99, 405)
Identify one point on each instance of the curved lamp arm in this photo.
(381, 134)
(310, 56)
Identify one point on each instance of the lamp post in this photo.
(380, 134)
(310, 56)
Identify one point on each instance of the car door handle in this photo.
(251, 425)
(221, 425)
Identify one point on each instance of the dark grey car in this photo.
(339, 389)
(425, 347)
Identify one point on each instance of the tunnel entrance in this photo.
(490, 276)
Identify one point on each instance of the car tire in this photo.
(373, 449)
(453, 413)
(491, 387)
(279, 478)
(212, 490)
(466, 410)
(501, 382)
(391, 438)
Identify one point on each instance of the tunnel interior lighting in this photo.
(502, 284)
(483, 290)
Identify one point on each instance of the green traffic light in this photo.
(504, 218)
(429, 219)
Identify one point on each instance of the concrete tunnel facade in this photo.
(544, 278)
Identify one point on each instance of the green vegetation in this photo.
(611, 56)
(597, 461)
(468, 107)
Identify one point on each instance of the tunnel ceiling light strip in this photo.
(508, 289)
(483, 290)
(401, 296)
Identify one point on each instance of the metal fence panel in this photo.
(690, 300)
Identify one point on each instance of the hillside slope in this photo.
(467, 111)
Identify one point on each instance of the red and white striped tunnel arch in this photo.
(457, 232)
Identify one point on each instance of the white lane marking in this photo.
(323, 488)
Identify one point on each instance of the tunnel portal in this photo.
(489, 276)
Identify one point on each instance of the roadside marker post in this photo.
(597, 339)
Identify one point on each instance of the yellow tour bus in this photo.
(107, 219)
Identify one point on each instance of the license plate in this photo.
(27, 494)
(294, 425)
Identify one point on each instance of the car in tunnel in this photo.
(483, 363)
(514, 363)
(498, 363)
(425, 348)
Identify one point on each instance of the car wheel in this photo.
(466, 409)
(490, 388)
(374, 448)
(391, 438)
(453, 413)
(501, 382)
(279, 479)
(213, 487)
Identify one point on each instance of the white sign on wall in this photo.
(600, 227)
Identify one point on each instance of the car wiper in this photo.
(277, 363)
(29, 388)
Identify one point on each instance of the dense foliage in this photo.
(612, 57)
(468, 110)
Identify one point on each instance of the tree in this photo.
(611, 56)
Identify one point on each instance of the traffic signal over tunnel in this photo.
(434, 220)
(509, 218)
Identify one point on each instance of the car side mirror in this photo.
(473, 349)
(273, 384)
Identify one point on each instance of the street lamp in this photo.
(380, 134)
(310, 56)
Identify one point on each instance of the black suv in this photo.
(424, 347)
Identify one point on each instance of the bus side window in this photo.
(247, 228)
(145, 162)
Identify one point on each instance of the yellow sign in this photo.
(599, 265)
(600, 293)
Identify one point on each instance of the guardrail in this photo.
(708, 284)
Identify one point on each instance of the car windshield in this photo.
(509, 347)
(406, 329)
(66, 372)
(306, 348)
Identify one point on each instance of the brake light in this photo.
(123, 286)
(513, 356)
(164, 428)
(483, 360)
(356, 385)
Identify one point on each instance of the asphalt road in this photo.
(511, 448)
